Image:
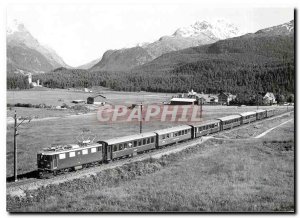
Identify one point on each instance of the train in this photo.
(72, 157)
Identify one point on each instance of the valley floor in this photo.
(224, 174)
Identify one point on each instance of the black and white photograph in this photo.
(149, 107)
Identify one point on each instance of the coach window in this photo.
(152, 139)
(99, 148)
(148, 140)
(72, 154)
(93, 150)
(125, 145)
(85, 151)
(140, 142)
(134, 143)
(121, 146)
(144, 141)
(115, 147)
(168, 135)
(186, 131)
(129, 145)
(62, 156)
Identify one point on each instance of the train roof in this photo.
(229, 117)
(260, 111)
(247, 113)
(183, 99)
(68, 148)
(127, 138)
(207, 122)
(172, 129)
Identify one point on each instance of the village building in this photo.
(195, 98)
(226, 98)
(269, 98)
(33, 84)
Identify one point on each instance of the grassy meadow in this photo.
(220, 175)
(64, 129)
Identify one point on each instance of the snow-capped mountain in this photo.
(283, 29)
(200, 33)
(24, 52)
(219, 29)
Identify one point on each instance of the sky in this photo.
(80, 33)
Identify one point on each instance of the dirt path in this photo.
(10, 120)
(269, 130)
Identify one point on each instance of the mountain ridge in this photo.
(40, 58)
(197, 34)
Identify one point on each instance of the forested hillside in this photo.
(246, 65)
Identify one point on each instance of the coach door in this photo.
(55, 161)
(108, 152)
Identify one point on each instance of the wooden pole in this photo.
(15, 148)
(141, 119)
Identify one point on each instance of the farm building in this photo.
(269, 98)
(205, 98)
(226, 97)
(183, 101)
(78, 101)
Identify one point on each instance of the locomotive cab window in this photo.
(62, 156)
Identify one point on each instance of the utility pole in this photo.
(201, 102)
(141, 119)
(15, 147)
(16, 125)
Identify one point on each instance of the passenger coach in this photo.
(270, 112)
(205, 128)
(173, 135)
(230, 122)
(128, 145)
(248, 117)
(261, 114)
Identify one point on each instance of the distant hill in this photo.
(26, 54)
(270, 44)
(88, 65)
(246, 65)
(199, 33)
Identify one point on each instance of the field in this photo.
(41, 133)
(220, 175)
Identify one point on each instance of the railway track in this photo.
(17, 188)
